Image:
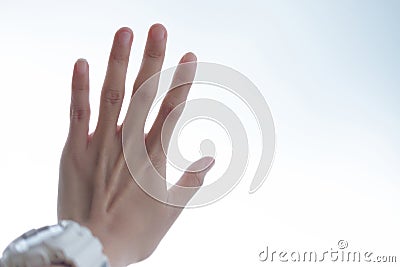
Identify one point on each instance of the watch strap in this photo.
(64, 243)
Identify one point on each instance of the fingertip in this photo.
(189, 57)
(157, 32)
(81, 60)
(124, 36)
(202, 165)
(125, 29)
(81, 66)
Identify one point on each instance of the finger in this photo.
(173, 104)
(187, 186)
(153, 56)
(80, 108)
(113, 90)
(152, 61)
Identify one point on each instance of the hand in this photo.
(95, 186)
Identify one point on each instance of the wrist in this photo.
(98, 232)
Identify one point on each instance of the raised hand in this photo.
(96, 188)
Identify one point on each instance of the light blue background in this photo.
(328, 69)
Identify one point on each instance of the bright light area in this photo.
(329, 71)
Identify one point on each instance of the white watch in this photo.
(64, 243)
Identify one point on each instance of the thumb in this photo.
(195, 173)
(190, 182)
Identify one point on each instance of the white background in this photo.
(328, 69)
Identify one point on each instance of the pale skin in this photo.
(95, 187)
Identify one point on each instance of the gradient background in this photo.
(328, 69)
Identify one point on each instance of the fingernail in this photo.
(158, 32)
(202, 165)
(189, 57)
(125, 37)
(208, 163)
(81, 65)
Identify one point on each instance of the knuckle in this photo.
(167, 108)
(79, 112)
(198, 179)
(194, 179)
(157, 160)
(172, 107)
(154, 54)
(119, 58)
(113, 96)
(79, 88)
(144, 94)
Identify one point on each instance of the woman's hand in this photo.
(95, 187)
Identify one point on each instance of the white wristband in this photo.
(67, 242)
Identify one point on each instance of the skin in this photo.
(95, 186)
